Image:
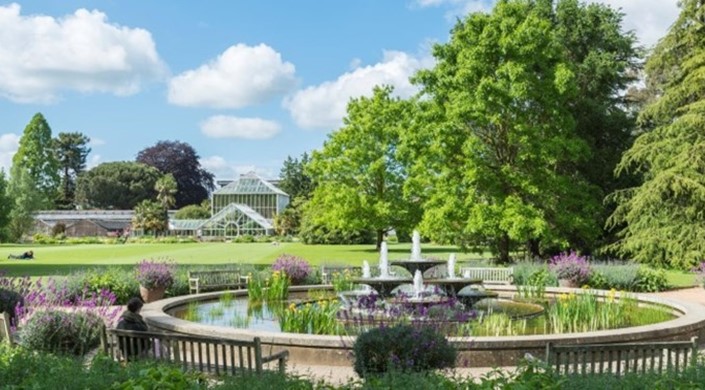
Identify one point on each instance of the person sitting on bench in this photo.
(25, 256)
(132, 320)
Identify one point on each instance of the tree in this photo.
(6, 203)
(194, 211)
(498, 137)
(25, 201)
(604, 61)
(360, 179)
(181, 160)
(661, 220)
(36, 157)
(295, 181)
(166, 189)
(71, 152)
(116, 185)
(151, 217)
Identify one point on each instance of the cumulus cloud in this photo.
(40, 56)
(650, 19)
(241, 76)
(458, 8)
(94, 160)
(9, 143)
(222, 126)
(223, 169)
(324, 105)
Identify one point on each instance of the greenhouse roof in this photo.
(250, 183)
(186, 224)
(250, 213)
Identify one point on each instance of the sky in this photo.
(246, 83)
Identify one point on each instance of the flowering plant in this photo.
(571, 266)
(296, 268)
(155, 273)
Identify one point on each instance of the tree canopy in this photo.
(36, 157)
(180, 160)
(295, 181)
(358, 174)
(661, 220)
(117, 185)
(5, 206)
(498, 140)
(71, 152)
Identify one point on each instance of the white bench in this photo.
(489, 275)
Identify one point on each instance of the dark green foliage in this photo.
(151, 217)
(116, 185)
(661, 221)
(526, 271)
(403, 348)
(74, 333)
(119, 281)
(181, 160)
(8, 302)
(294, 179)
(163, 377)
(71, 151)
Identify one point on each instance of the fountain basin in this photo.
(476, 351)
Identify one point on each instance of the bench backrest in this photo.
(5, 335)
(199, 353)
(489, 275)
(224, 278)
(622, 358)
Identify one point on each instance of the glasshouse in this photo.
(245, 206)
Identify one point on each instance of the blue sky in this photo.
(246, 83)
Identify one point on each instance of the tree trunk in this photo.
(533, 249)
(503, 249)
(380, 237)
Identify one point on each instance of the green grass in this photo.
(63, 259)
(681, 279)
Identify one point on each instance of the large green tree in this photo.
(499, 135)
(71, 153)
(662, 220)
(295, 181)
(25, 200)
(36, 157)
(166, 188)
(151, 217)
(117, 185)
(358, 174)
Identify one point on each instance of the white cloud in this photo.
(94, 160)
(324, 105)
(96, 142)
(458, 8)
(222, 126)
(223, 169)
(40, 56)
(241, 76)
(9, 143)
(650, 19)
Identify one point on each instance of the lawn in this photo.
(62, 259)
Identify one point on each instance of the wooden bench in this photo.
(198, 353)
(489, 275)
(5, 335)
(215, 280)
(620, 359)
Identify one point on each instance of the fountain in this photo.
(366, 269)
(416, 261)
(384, 283)
(418, 285)
(451, 266)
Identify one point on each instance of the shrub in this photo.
(114, 279)
(58, 331)
(620, 276)
(401, 348)
(651, 280)
(571, 266)
(296, 268)
(155, 273)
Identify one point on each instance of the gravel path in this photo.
(339, 375)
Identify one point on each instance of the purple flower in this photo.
(155, 273)
(296, 268)
(571, 266)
